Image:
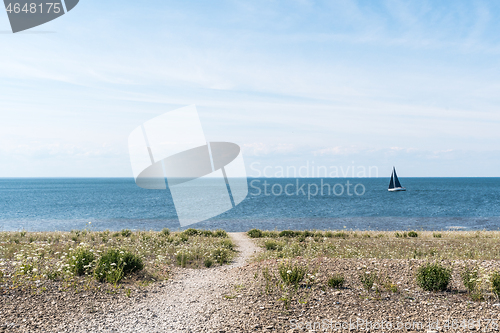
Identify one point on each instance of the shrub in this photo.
(340, 234)
(255, 233)
(208, 262)
(289, 233)
(469, 278)
(292, 274)
(182, 258)
(126, 232)
(328, 234)
(436, 235)
(307, 233)
(495, 283)
(336, 281)
(190, 232)
(114, 264)
(219, 233)
(433, 277)
(227, 243)
(272, 245)
(81, 261)
(398, 235)
(207, 233)
(367, 279)
(221, 255)
(412, 234)
(270, 234)
(183, 237)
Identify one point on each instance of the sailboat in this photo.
(395, 185)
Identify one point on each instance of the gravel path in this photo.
(192, 301)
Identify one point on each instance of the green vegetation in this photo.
(433, 277)
(115, 264)
(113, 257)
(480, 245)
(367, 279)
(292, 274)
(81, 261)
(495, 283)
(470, 279)
(336, 281)
(272, 245)
(254, 233)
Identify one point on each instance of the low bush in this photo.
(495, 283)
(182, 257)
(307, 233)
(219, 233)
(289, 233)
(208, 262)
(115, 264)
(221, 255)
(126, 232)
(227, 243)
(433, 277)
(272, 245)
(469, 278)
(81, 261)
(367, 279)
(412, 234)
(336, 281)
(255, 233)
(436, 235)
(191, 232)
(270, 234)
(292, 274)
(165, 232)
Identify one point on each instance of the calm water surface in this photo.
(117, 203)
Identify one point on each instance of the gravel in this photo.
(191, 301)
(233, 298)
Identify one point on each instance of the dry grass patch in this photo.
(479, 245)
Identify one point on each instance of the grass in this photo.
(26, 257)
(292, 274)
(479, 245)
(367, 279)
(336, 281)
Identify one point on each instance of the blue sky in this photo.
(336, 83)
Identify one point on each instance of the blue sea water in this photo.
(44, 204)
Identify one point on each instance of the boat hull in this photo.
(396, 189)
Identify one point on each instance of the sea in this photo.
(63, 204)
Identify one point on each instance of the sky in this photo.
(339, 84)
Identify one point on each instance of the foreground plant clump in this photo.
(30, 258)
(484, 245)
